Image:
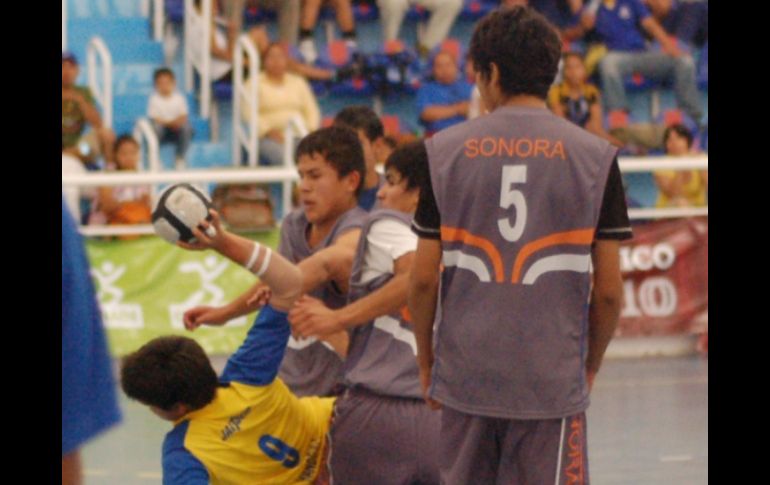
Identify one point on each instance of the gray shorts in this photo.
(492, 451)
(381, 440)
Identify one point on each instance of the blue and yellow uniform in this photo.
(255, 431)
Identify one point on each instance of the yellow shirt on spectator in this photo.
(279, 102)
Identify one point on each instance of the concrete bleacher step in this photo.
(209, 155)
(104, 8)
(79, 31)
(201, 128)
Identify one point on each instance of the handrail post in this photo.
(144, 133)
(97, 48)
(249, 140)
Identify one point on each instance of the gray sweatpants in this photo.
(492, 451)
(382, 440)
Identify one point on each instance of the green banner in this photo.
(144, 286)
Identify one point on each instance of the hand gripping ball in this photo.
(179, 209)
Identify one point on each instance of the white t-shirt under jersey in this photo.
(167, 108)
(387, 241)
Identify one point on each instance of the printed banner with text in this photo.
(665, 278)
(144, 287)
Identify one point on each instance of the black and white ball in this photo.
(179, 209)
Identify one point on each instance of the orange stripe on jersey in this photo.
(578, 237)
(465, 237)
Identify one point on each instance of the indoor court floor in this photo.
(647, 425)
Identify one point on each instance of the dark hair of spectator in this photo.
(341, 149)
(167, 371)
(124, 139)
(523, 45)
(680, 130)
(162, 71)
(361, 118)
(411, 161)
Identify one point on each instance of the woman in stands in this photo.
(282, 96)
(680, 188)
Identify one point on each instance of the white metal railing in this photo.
(97, 50)
(223, 175)
(651, 164)
(63, 25)
(288, 173)
(197, 51)
(158, 13)
(146, 137)
(246, 137)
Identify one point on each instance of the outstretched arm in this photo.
(311, 318)
(283, 277)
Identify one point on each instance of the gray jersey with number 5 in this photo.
(519, 193)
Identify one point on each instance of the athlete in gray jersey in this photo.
(519, 198)
(382, 431)
(321, 238)
(312, 367)
(381, 354)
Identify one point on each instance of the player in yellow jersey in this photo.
(244, 426)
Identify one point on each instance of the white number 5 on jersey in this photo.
(509, 197)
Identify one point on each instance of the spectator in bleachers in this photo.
(223, 42)
(282, 95)
(617, 23)
(128, 204)
(288, 15)
(78, 111)
(687, 21)
(442, 17)
(563, 14)
(577, 100)
(445, 101)
(680, 188)
(309, 18)
(168, 110)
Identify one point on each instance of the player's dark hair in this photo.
(361, 118)
(167, 371)
(523, 45)
(341, 149)
(411, 162)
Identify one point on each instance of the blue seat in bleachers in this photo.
(175, 10)
(365, 12)
(475, 9)
(703, 68)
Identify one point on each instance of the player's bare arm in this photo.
(606, 300)
(422, 298)
(311, 318)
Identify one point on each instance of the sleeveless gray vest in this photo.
(310, 367)
(382, 353)
(519, 192)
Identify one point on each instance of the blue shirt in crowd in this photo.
(619, 24)
(433, 93)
